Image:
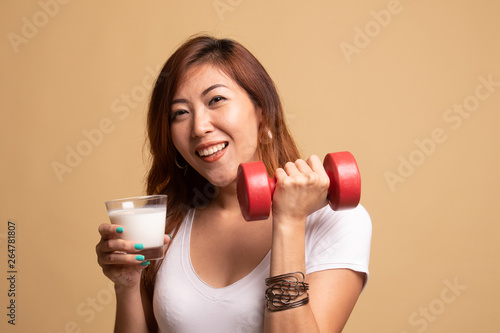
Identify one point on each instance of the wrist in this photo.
(127, 290)
(289, 223)
(288, 247)
(288, 232)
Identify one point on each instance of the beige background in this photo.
(75, 77)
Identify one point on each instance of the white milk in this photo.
(141, 225)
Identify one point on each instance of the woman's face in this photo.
(214, 124)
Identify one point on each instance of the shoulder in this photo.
(339, 239)
(355, 220)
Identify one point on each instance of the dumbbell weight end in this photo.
(345, 180)
(252, 177)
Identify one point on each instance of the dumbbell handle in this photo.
(343, 193)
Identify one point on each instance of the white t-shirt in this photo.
(184, 303)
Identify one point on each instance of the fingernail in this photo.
(145, 263)
(119, 230)
(169, 236)
(139, 258)
(138, 246)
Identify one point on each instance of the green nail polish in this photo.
(119, 230)
(139, 258)
(145, 263)
(169, 235)
(138, 246)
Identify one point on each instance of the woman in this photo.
(302, 270)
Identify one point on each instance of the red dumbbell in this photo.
(255, 189)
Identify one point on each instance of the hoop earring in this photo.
(185, 167)
(269, 138)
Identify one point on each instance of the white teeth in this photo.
(211, 150)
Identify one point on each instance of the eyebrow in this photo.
(206, 91)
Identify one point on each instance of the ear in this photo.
(258, 111)
(260, 116)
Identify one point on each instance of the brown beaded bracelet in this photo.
(284, 290)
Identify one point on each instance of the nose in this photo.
(202, 123)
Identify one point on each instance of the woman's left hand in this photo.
(301, 189)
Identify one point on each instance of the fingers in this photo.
(118, 251)
(112, 250)
(124, 275)
(167, 239)
(312, 165)
(116, 244)
(296, 168)
(116, 258)
(301, 188)
(316, 165)
(108, 230)
(304, 173)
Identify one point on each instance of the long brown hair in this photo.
(189, 190)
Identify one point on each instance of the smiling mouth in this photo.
(212, 151)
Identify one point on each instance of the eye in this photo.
(216, 99)
(177, 113)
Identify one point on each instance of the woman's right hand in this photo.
(118, 258)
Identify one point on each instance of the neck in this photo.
(226, 198)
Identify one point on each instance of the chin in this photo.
(222, 177)
(222, 180)
(222, 183)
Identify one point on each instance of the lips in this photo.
(212, 150)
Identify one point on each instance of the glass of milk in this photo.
(143, 222)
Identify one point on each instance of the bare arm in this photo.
(134, 311)
(130, 315)
(333, 295)
(133, 308)
(301, 190)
